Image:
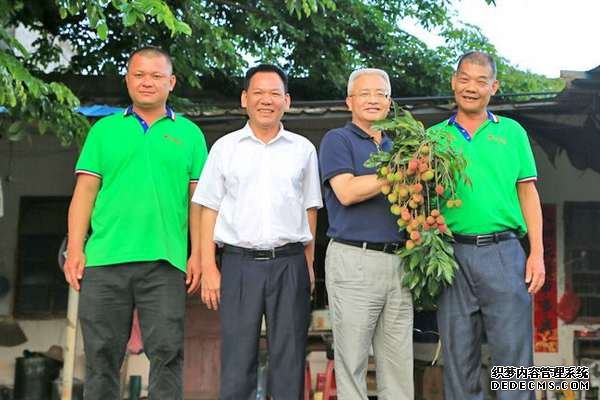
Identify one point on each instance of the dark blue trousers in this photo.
(488, 295)
(279, 289)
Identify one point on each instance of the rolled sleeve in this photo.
(90, 161)
(311, 186)
(335, 156)
(527, 169)
(211, 185)
(198, 158)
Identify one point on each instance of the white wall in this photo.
(558, 184)
(40, 167)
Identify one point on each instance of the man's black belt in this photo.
(390, 248)
(485, 240)
(289, 249)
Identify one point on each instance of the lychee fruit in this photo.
(427, 175)
(403, 191)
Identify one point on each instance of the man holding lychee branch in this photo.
(368, 303)
(491, 291)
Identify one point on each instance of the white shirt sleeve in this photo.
(211, 185)
(311, 186)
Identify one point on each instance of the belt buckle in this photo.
(263, 255)
(390, 248)
(485, 240)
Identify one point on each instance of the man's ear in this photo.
(244, 99)
(288, 101)
(349, 103)
(172, 82)
(495, 87)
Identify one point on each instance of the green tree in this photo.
(466, 37)
(320, 40)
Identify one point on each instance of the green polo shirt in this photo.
(498, 157)
(141, 210)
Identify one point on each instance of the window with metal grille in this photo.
(582, 255)
(41, 290)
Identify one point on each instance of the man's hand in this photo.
(309, 253)
(311, 276)
(535, 273)
(74, 268)
(211, 286)
(193, 274)
(532, 213)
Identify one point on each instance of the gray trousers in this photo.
(279, 289)
(108, 297)
(369, 306)
(488, 294)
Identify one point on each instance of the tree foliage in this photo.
(321, 40)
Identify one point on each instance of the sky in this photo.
(543, 36)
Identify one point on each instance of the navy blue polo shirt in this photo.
(345, 150)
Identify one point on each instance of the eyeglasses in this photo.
(364, 96)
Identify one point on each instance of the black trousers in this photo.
(108, 297)
(279, 289)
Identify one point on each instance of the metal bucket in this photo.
(34, 376)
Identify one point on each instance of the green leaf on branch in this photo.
(419, 162)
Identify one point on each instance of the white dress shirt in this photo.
(261, 191)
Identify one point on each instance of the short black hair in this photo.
(479, 58)
(151, 51)
(265, 68)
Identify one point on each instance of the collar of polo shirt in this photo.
(169, 113)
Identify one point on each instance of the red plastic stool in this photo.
(320, 382)
(329, 391)
(307, 382)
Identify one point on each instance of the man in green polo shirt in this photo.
(135, 175)
(492, 290)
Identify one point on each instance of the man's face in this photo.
(149, 80)
(473, 85)
(265, 100)
(370, 99)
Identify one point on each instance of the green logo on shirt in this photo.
(172, 139)
(497, 139)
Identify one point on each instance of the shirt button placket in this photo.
(268, 182)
